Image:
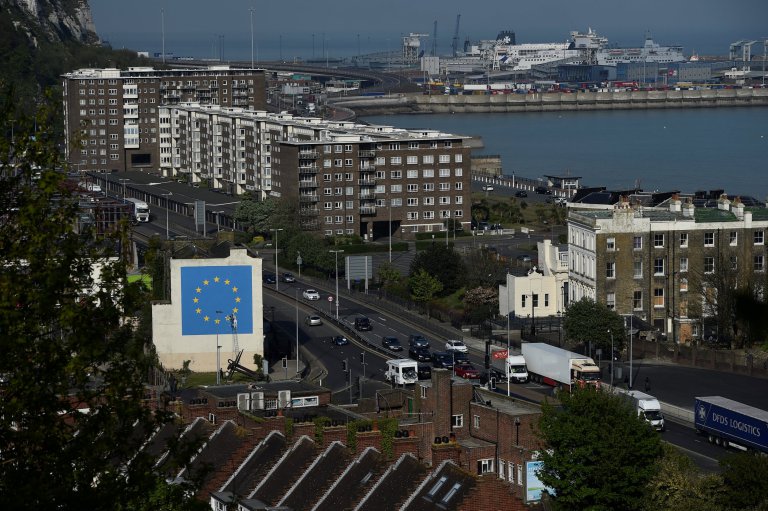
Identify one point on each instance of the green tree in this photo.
(424, 287)
(600, 455)
(590, 321)
(73, 401)
(679, 486)
(745, 482)
(388, 275)
(255, 216)
(442, 262)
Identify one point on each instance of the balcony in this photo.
(367, 196)
(307, 198)
(367, 168)
(308, 183)
(308, 169)
(368, 210)
(308, 155)
(366, 154)
(366, 182)
(309, 225)
(312, 211)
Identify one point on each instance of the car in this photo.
(419, 354)
(455, 345)
(524, 258)
(459, 356)
(424, 371)
(269, 278)
(311, 294)
(484, 226)
(313, 320)
(391, 343)
(487, 188)
(561, 201)
(287, 277)
(543, 190)
(363, 324)
(340, 340)
(442, 360)
(417, 341)
(466, 370)
(521, 193)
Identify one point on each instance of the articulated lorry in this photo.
(558, 367)
(139, 210)
(730, 423)
(505, 366)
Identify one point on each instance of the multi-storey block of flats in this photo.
(344, 178)
(112, 116)
(665, 264)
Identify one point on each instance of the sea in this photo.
(656, 150)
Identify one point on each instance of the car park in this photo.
(311, 294)
(269, 278)
(418, 341)
(521, 193)
(455, 345)
(442, 360)
(419, 354)
(340, 340)
(287, 277)
(391, 343)
(363, 324)
(313, 320)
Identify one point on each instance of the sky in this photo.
(201, 27)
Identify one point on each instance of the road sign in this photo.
(330, 298)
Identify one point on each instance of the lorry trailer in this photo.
(730, 423)
(558, 367)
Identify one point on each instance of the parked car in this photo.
(487, 188)
(419, 354)
(460, 356)
(269, 278)
(543, 190)
(313, 320)
(287, 277)
(418, 341)
(363, 324)
(424, 371)
(392, 343)
(311, 294)
(521, 193)
(442, 360)
(466, 370)
(455, 345)
(340, 340)
(524, 258)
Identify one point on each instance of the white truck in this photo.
(402, 371)
(507, 367)
(558, 367)
(139, 210)
(647, 406)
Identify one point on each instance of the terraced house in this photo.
(667, 263)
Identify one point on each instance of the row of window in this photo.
(659, 240)
(660, 262)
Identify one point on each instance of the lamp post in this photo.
(123, 183)
(389, 209)
(167, 212)
(337, 252)
(611, 359)
(447, 221)
(517, 430)
(218, 224)
(297, 330)
(533, 313)
(218, 349)
(299, 262)
(277, 272)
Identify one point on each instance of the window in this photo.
(683, 240)
(610, 300)
(658, 240)
(395, 160)
(457, 421)
(524, 297)
(759, 238)
(709, 239)
(658, 266)
(476, 422)
(683, 285)
(423, 392)
(610, 270)
(733, 238)
(429, 187)
(637, 300)
(658, 297)
(412, 174)
(683, 264)
(412, 160)
(734, 263)
(758, 263)
(637, 243)
(638, 269)
(610, 244)
(412, 188)
(338, 162)
(396, 174)
(428, 173)
(348, 162)
(413, 201)
(396, 188)
(445, 173)
(428, 159)
(444, 158)
(485, 466)
(709, 264)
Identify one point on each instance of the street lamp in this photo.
(218, 349)
(447, 222)
(611, 362)
(123, 183)
(337, 252)
(167, 212)
(389, 209)
(218, 225)
(517, 430)
(297, 330)
(277, 272)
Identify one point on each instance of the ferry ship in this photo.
(650, 52)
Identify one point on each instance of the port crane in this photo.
(455, 43)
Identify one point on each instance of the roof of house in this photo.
(395, 485)
(218, 449)
(285, 473)
(254, 468)
(358, 477)
(445, 488)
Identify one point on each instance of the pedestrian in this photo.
(647, 384)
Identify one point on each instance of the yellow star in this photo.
(234, 289)
(195, 299)
(237, 300)
(206, 318)
(217, 321)
(198, 310)
(234, 311)
(226, 282)
(216, 279)
(205, 282)
(198, 289)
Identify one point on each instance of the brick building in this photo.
(345, 178)
(111, 116)
(661, 263)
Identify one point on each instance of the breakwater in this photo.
(551, 102)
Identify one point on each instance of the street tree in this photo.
(443, 263)
(589, 321)
(480, 303)
(600, 455)
(424, 287)
(255, 216)
(745, 482)
(388, 275)
(679, 485)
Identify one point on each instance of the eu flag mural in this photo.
(208, 289)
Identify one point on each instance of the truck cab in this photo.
(402, 371)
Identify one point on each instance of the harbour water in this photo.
(685, 149)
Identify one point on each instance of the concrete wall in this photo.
(174, 347)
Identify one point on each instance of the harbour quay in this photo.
(554, 101)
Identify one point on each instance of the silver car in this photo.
(311, 294)
(313, 320)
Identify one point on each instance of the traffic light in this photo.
(344, 365)
(362, 357)
(285, 362)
